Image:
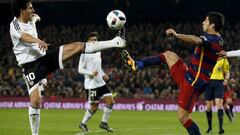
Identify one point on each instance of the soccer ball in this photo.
(116, 19)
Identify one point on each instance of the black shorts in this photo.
(94, 95)
(214, 89)
(35, 72)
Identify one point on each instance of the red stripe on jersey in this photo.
(217, 47)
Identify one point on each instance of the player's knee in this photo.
(168, 53)
(74, 47)
(110, 106)
(36, 102)
(170, 56)
(208, 107)
(78, 46)
(219, 106)
(94, 107)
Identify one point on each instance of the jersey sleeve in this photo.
(205, 39)
(82, 66)
(15, 30)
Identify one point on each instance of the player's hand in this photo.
(222, 53)
(105, 77)
(42, 45)
(36, 17)
(171, 32)
(225, 82)
(95, 73)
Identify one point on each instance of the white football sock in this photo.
(106, 113)
(101, 45)
(88, 115)
(34, 118)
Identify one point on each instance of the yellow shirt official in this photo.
(219, 69)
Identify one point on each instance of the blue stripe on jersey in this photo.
(209, 39)
(199, 85)
(203, 70)
(205, 59)
(16, 25)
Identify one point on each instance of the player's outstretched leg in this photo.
(127, 61)
(119, 42)
(68, 50)
(133, 65)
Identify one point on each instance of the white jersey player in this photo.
(91, 66)
(36, 60)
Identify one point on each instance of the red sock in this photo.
(188, 124)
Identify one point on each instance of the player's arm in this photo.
(104, 75)
(234, 53)
(226, 69)
(82, 68)
(191, 39)
(25, 37)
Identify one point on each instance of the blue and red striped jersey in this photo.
(203, 60)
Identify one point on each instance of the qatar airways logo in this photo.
(139, 105)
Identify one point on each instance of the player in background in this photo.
(91, 66)
(233, 53)
(227, 99)
(36, 60)
(192, 79)
(215, 92)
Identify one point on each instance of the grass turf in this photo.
(65, 122)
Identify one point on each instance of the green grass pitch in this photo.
(65, 122)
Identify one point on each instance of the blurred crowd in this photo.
(144, 39)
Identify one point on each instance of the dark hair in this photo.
(92, 34)
(17, 5)
(217, 19)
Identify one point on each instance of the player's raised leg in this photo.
(178, 69)
(90, 47)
